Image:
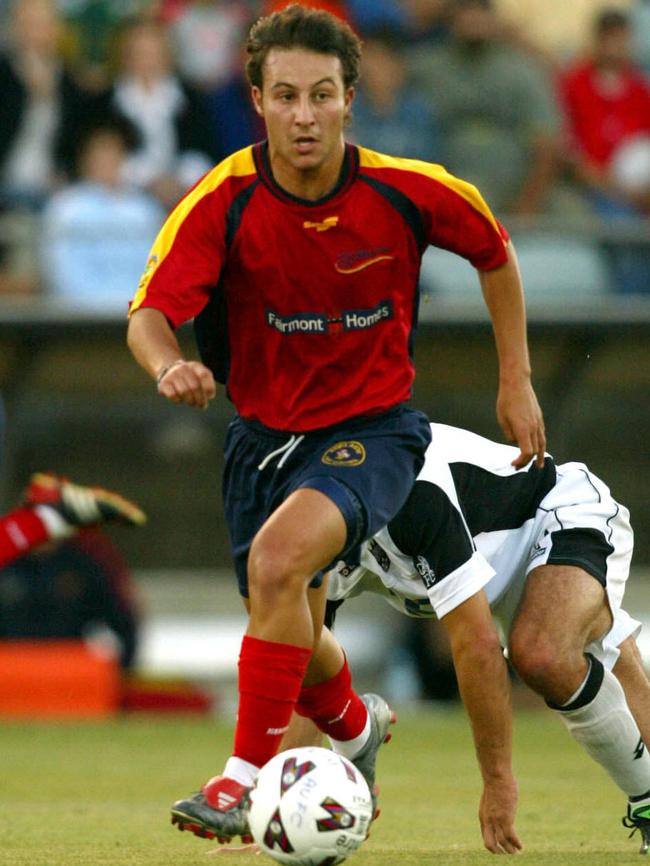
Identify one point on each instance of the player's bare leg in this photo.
(302, 536)
(630, 672)
(632, 676)
(282, 553)
(562, 610)
(301, 732)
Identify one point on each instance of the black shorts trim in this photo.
(585, 548)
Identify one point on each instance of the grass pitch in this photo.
(98, 795)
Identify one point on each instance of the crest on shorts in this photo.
(345, 454)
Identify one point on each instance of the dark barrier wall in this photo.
(76, 403)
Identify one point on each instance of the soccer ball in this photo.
(310, 807)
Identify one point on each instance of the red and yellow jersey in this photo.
(307, 309)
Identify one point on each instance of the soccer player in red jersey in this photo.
(298, 260)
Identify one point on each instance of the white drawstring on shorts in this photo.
(286, 450)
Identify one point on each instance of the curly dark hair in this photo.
(299, 27)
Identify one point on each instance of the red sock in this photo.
(270, 676)
(334, 707)
(20, 530)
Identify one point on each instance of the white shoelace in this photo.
(286, 450)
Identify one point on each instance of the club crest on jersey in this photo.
(327, 223)
(345, 454)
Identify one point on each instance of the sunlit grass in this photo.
(95, 794)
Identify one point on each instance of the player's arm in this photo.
(155, 347)
(457, 218)
(517, 408)
(485, 689)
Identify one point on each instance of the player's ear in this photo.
(256, 96)
(348, 97)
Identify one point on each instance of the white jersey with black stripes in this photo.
(475, 522)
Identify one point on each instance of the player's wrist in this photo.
(514, 372)
(162, 372)
(499, 776)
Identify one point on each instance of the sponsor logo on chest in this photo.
(322, 323)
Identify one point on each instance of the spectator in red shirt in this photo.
(607, 101)
(334, 7)
(608, 106)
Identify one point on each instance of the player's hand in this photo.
(521, 420)
(188, 382)
(497, 816)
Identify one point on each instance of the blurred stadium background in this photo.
(488, 89)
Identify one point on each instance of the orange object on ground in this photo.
(146, 695)
(56, 679)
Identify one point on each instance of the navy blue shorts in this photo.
(366, 466)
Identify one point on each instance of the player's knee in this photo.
(536, 660)
(272, 570)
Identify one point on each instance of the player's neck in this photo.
(311, 184)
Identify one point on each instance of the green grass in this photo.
(98, 794)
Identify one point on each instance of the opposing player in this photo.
(534, 560)
(298, 260)
(53, 508)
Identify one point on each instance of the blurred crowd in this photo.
(110, 109)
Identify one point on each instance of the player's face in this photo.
(304, 104)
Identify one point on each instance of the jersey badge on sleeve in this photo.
(152, 261)
(345, 454)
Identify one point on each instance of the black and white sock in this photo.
(597, 716)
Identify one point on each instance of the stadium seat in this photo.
(444, 273)
(561, 267)
(552, 266)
